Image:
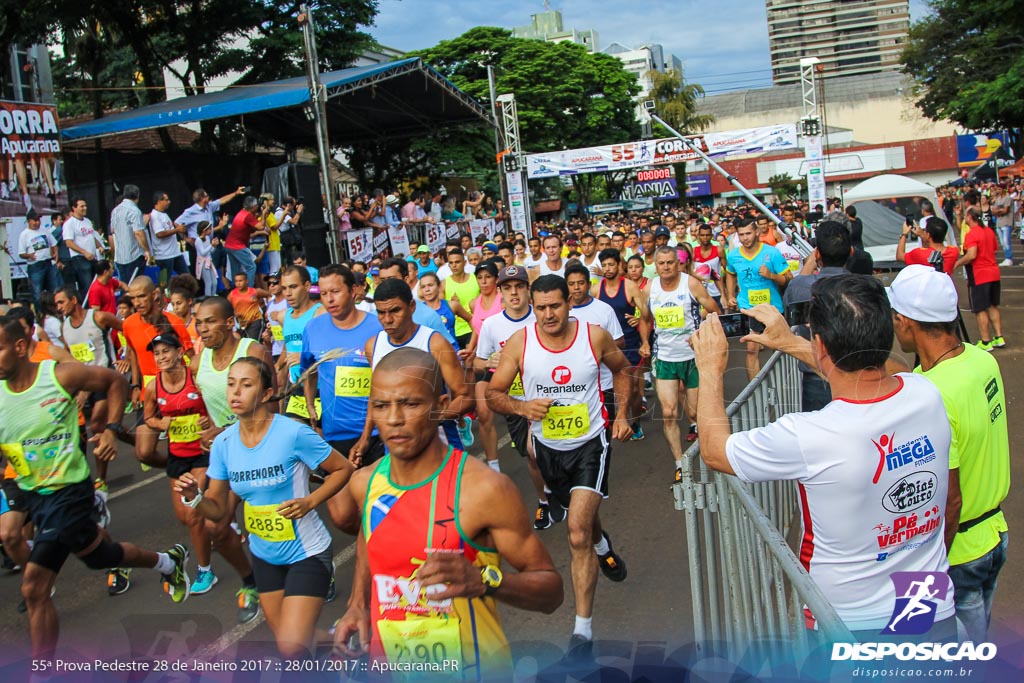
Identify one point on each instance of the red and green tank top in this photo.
(400, 525)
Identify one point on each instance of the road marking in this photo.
(137, 485)
(241, 630)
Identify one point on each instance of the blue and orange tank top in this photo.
(400, 525)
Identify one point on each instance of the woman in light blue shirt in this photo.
(266, 459)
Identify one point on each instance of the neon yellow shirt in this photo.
(972, 391)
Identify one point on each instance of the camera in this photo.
(247, 189)
(739, 325)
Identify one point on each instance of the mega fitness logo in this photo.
(918, 451)
(918, 596)
(562, 378)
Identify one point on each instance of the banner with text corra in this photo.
(657, 152)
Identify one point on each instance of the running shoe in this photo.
(998, 343)
(144, 467)
(466, 432)
(332, 591)
(204, 582)
(1006, 262)
(99, 503)
(6, 563)
(558, 513)
(679, 476)
(692, 434)
(638, 432)
(176, 584)
(580, 650)
(543, 519)
(985, 345)
(612, 565)
(248, 604)
(117, 581)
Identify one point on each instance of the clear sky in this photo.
(723, 43)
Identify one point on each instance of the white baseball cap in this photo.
(923, 294)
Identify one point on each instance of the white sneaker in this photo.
(1006, 262)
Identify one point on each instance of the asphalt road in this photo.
(648, 613)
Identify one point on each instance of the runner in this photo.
(265, 460)
(460, 286)
(395, 306)
(181, 292)
(672, 306)
(276, 306)
(647, 257)
(172, 404)
(86, 335)
(589, 257)
(54, 481)
(422, 315)
(486, 305)
(215, 324)
(552, 263)
(709, 259)
(635, 271)
(148, 321)
(430, 294)
(426, 586)
(247, 302)
(295, 284)
(343, 381)
(514, 283)
(755, 273)
(623, 295)
(587, 309)
(569, 427)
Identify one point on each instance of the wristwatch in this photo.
(492, 577)
(114, 427)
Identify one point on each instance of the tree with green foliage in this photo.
(124, 45)
(566, 97)
(784, 186)
(967, 61)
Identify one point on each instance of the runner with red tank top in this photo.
(172, 403)
(709, 258)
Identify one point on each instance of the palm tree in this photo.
(676, 101)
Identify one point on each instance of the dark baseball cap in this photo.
(509, 273)
(662, 231)
(167, 338)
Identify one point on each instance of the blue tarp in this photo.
(406, 97)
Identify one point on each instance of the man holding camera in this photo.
(251, 220)
(202, 209)
(859, 526)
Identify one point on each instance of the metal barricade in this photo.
(747, 585)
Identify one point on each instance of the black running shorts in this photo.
(310, 577)
(178, 466)
(585, 467)
(518, 432)
(984, 297)
(65, 519)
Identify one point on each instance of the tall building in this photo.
(547, 26)
(643, 60)
(850, 37)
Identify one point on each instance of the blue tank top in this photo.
(292, 330)
(620, 304)
(447, 317)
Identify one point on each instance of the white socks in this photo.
(601, 548)
(583, 627)
(201, 568)
(679, 463)
(494, 465)
(164, 563)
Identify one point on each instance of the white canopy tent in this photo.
(883, 203)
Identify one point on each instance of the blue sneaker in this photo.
(466, 432)
(204, 582)
(638, 433)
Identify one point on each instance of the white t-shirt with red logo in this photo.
(872, 480)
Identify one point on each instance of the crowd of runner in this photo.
(349, 396)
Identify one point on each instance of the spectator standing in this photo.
(206, 272)
(838, 455)
(856, 229)
(983, 279)
(250, 221)
(925, 320)
(931, 252)
(63, 253)
(131, 248)
(203, 209)
(39, 249)
(84, 244)
(1002, 209)
(166, 249)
